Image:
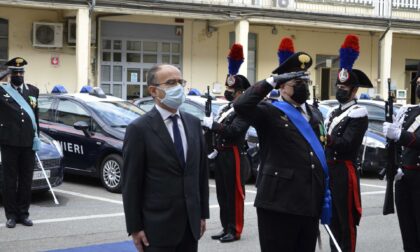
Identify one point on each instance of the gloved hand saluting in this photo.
(208, 122)
(277, 80)
(392, 131)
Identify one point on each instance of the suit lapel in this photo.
(189, 136)
(160, 129)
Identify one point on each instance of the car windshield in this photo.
(116, 113)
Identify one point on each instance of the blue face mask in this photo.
(174, 97)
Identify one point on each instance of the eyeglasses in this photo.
(173, 82)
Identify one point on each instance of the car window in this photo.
(116, 113)
(147, 105)
(193, 110)
(69, 112)
(376, 126)
(44, 107)
(374, 112)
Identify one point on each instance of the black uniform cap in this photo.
(237, 82)
(353, 78)
(299, 61)
(16, 64)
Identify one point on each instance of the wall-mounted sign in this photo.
(55, 60)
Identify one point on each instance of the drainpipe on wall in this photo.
(378, 91)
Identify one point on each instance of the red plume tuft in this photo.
(286, 44)
(236, 52)
(351, 41)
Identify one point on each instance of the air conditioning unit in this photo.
(47, 34)
(71, 31)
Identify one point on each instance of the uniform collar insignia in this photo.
(6, 95)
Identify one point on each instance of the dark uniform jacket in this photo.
(347, 136)
(161, 196)
(410, 141)
(290, 179)
(231, 131)
(15, 124)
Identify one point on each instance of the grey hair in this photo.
(151, 74)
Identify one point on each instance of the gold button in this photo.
(335, 158)
(23, 120)
(286, 125)
(313, 166)
(22, 113)
(276, 173)
(311, 153)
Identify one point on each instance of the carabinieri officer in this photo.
(346, 127)
(292, 184)
(18, 142)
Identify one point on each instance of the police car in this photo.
(50, 154)
(90, 127)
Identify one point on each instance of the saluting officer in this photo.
(18, 142)
(346, 126)
(292, 184)
(230, 130)
(405, 131)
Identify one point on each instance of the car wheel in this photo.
(110, 175)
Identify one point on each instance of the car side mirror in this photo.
(83, 126)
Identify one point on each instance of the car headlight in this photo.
(58, 147)
(373, 143)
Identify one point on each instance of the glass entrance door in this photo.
(125, 63)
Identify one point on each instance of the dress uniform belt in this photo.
(411, 167)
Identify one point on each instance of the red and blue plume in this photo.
(235, 58)
(349, 52)
(285, 50)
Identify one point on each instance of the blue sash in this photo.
(22, 102)
(307, 132)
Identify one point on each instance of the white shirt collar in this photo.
(165, 113)
(347, 105)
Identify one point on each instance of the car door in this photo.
(79, 149)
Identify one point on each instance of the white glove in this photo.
(213, 155)
(391, 130)
(208, 122)
(399, 175)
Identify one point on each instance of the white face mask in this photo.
(174, 96)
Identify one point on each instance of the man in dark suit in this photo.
(165, 176)
(292, 181)
(18, 130)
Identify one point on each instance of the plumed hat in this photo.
(235, 60)
(348, 76)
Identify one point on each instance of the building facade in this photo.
(112, 44)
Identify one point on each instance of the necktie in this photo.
(19, 89)
(178, 140)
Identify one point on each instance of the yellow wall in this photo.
(403, 47)
(204, 55)
(39, 70)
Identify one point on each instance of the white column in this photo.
(82, 47)
(241, 37)
(385, 64)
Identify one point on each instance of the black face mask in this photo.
(300, 92)
(342, 95)
(16, 80)
(418, 91)
(229, 95)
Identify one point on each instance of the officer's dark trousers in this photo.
(231, 215)
(407, 200)
(286, 232)
(343, 226)
(187, 244)
(18, 166)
